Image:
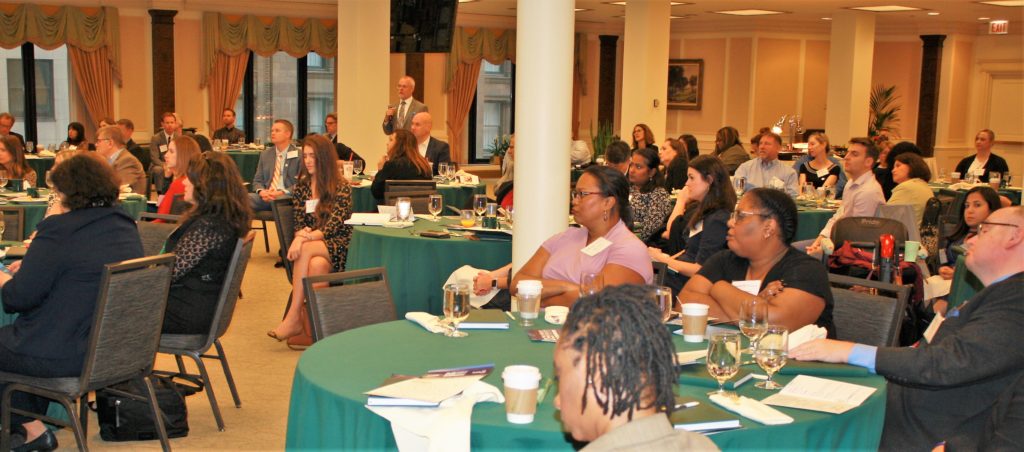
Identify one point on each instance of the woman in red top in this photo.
(180, 152)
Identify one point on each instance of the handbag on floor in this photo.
(305, 338)
(126, 419)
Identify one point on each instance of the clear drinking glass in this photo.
(480, 204)
(451, 173)
(442, 170)
(30, 147)
(467, 218)
(403, 207)
(663, 297)
(771, 353)
(259, 141)
(591, 283)
(740, 184)
(357, 167)
(436, 205)
(3, 180)
(456, 307)
(723, 359)
(3, 226)
(753, 319)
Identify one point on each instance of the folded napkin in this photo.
(806, 334)
(466, 274)
(428, 321)
(751, 409)
(556, 315)
(445, 428)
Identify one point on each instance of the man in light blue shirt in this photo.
(945, 388)
(766, 170)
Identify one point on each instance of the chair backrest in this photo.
(660, 270)
(154, 236)
(284, 220)
(866, 316)
(866, 230)
(409, 185)
(121, 349)
(904, 213)
(955, 198)
(363, 298)
(229, 291)
(420, 199)
(167, 218)
(14, 223)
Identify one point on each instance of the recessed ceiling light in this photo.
(984, 18)
(749, 12)
(885, 8)
(1004, 2)
(467, 1)
(933, 13)
(669, 3)
(581, 9)
(826, 18)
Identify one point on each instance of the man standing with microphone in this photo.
(399, 116)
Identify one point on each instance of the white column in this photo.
(363, 76)
(544, 46)
(645, 67)
(849, 75)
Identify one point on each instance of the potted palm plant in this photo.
(883, 112)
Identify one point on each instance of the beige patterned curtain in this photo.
(469, 46)
(460, 99)
(93, 39)
(225, 84)
(232, 35)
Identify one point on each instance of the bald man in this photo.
(434, 150)
(399, 116)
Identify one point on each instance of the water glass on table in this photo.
(753, 319)
(528, 293)
(771, 353)
(995, 179)
(436, 205)
(591, 283)
(450, 174)
(723, 359)
(480, 204)
(456, 307)
(662, 297)
(357, 167)
(442, 171)
(3, 180)
(403, 208)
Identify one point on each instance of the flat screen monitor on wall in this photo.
(422, 26)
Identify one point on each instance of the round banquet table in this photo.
(40, 165)
(418, 266)
(454, 195)
(134, 205)
(810, 221)
(327, 402)
(247, 162)
(1011, 193)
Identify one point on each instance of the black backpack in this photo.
(126, 419)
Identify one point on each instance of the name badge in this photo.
(750, 286)
(311, 205)
(292, 155)
(823, 173)
(933, 327)
(163, 148)
(596, 246)
(697, 228)
(943, 260)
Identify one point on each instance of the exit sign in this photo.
(998, 27)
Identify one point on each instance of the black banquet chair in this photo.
(351, 299)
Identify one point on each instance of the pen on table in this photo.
(544, 391)
(687, 405)
(509, 314)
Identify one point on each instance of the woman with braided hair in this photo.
(615, 366)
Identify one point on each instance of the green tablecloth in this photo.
(810, 221)
(327, 413)
(458, 196)
(1014, 194)
(34, 212)
(247, 162)
(41, 165)
(417, 266)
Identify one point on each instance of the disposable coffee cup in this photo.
(521, 383)
(528, 293)
(954, 177)
(695, 321)
(910, 251)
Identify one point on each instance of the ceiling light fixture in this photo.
(749, 12)
(984, 18)
(885, 8)
(1004, 2)
(933, 13)
(669, 3)
(826, 18)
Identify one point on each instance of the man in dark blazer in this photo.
(6, 123)
(399, 115)
(945, 389)
(434, 150)
(266, 188)
(127, 130)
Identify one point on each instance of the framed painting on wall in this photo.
(685, 84)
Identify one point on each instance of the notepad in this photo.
(368, 219)
(703, 418)
(427, 390)
(485, 319)
(819, 394)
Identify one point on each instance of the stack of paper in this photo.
(368, 219)
(820, 394)
(427, 390)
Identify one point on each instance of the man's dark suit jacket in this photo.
(437, 152)
(346, 153)
(55, 290)
(946, 390)
(139, 153)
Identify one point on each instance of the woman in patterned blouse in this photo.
(647, 197)
(323, 201)
(204, 242)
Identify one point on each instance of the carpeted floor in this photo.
(262, 368)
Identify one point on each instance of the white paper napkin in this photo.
(806, 334)
(445, 428)
(556, 314)
(428, 321)
(466, 274)
(935, 286)
(752, 409)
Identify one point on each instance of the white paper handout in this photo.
(432, 390)
(686, 358)
(819, 394)
(368, 219)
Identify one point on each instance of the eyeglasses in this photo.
(577, 195)
(985, 224)
(738, 215)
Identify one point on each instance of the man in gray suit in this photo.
(110, 145)
(158, 147)
(434, 150)
(399, 116)
(278, 167)
(945, 388)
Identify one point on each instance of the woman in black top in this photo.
(983, 161)
(884, 174)
(673, 156)
(402, 162)
(818, 171)
(699, 232)
(643, 138)
(204, 242)
(76, 137)
(794, 284)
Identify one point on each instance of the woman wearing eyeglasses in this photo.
(600, 204)
(794, 284)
